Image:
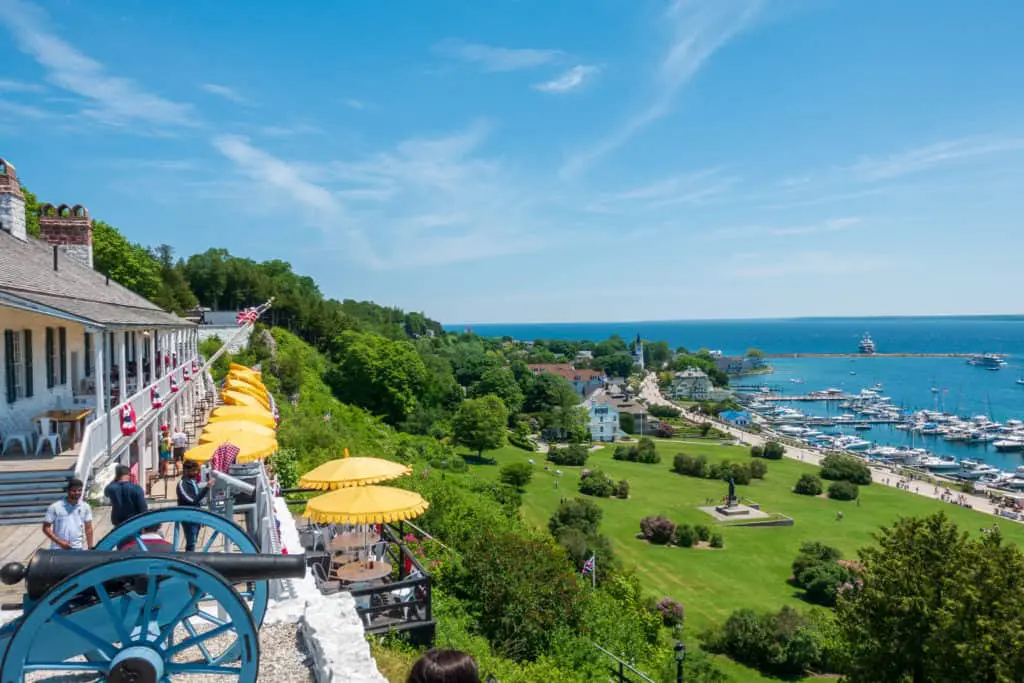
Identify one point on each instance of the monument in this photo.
(732, 506)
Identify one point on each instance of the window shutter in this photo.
(29, 391)
(9, 364)
(88, 354)
(49, 357)
(62, 333)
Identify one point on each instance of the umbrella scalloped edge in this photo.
(366, 518)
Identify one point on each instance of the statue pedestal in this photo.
(733, 510)
(726, 512)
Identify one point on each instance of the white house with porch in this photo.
(78, 349)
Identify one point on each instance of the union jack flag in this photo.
(247, 316)
(589, 565)
(224, 456)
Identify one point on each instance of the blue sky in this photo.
(520, 160)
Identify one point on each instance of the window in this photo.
(88, 354)
(27, 356)
(14, 366)
(51, 358)
(62, 350)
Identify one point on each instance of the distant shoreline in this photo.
(995, 317)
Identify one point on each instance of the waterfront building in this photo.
(691, 384)
(739, 418)
(584, 381)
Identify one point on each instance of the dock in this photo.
(871, 355)
(809, 397)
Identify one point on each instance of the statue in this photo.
(732, 492)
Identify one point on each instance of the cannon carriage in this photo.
(142, 610)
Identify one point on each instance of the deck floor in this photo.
(31, 463)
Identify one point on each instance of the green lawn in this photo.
(752, 569)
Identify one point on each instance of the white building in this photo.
(75, 340)
(691, 384)
(604, 422)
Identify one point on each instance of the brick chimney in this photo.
(69, 227)
(12, 202)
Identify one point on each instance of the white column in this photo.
(139, 374)
(122, 364)
(99, 369)
(152, 355)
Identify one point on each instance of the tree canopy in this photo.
(479, 423)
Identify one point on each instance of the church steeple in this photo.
(638, 352)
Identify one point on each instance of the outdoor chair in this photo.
(378, 551)
(49, 434)
(362, 601)
(407, 596)
(13, 433)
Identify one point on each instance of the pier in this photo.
(871, 355)
(810, 397)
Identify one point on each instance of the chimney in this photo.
(12, 202)
(68, 227)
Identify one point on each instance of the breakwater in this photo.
(870, 355)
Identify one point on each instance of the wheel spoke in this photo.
(122, 632)
(177, 535)
(200, 669)
(209, 543)
(192, 632)
(98, 667)
(139, 543)
(202, 614)
(168, 631)
(191, 642)
(146, 615)
(100, 644)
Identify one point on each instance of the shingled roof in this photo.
(27, 275)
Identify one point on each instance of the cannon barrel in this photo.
(50, 567)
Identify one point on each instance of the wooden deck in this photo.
(31, 463)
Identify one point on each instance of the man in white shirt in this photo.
(68, 522)
(179, 440)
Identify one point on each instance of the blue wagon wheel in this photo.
(137, 617)
(215, 534)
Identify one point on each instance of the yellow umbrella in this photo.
(242, 378)
(239, 398)
(250, 448)
(365, 505)
(244, 388)
(220, 430)
(236, 368)
(344, 472)
(254, 414)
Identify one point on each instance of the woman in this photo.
(165, 451)
(444, 666)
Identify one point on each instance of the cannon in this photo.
(143, 616)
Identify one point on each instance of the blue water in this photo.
(964, 389)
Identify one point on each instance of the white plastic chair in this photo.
(48, 434)
(407, 595)
(14, 433)
(378, 550)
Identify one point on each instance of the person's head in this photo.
(163, 428)
(122, 473)
(75, 487)
(444, 666)
(153, 529)
(191, 468)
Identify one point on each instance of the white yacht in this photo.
(975, 469)
(943, 463)
(1011, 444)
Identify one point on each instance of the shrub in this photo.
(773, 450)
(717, 541)
(842, 467)
(813, 553)
(758, 468)
(664, 411)
(657, 529)
(665, 430)
(627, 423)
(596, 483)
(621, 453)
(808, 485)
(622, 489)
(684, 536)
(705, 429)
(784, 643)
(644, 452)
(520, 441)
(757, 451)
(702, 532)
(579, 513)
(571, 456)
(725, 470)
(689, 465)
(822, 582)
(517, 475)
(671, 612)
(843, 490)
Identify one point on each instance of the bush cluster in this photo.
(596, 483)
(660, 530)
(622, 489)
(517, 475)
(808, 485)
(664, 411)
(698, 466)
(773, 450)
(571, 456)
(671, 612)
(843, 490)
(783, 643)
(842, 467)
(642, 451)
(818, 571)
(520, 441)
(579, 513)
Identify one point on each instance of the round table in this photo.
(357, 572)
(352, 539)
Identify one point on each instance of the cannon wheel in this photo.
(143, 650)
(213, 528)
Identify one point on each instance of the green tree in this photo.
(378, 374)
(614, 344)
(578, 513)
(755, 353)
(31, 212)
(479, 424)
(516, 474)
(502, 383)
(617, 364)
(935, 605)
(127, 263)
(657, 353)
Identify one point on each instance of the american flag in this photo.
(247, 316)
(589, 565)
(224, 456)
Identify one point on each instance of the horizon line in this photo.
(758, 319)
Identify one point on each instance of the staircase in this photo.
(24, 496)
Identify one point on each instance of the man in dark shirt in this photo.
(191, 494)
(126, 499)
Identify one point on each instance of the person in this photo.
(191, 494)
(127, 499)
(180, 442)
(165, 450)
(444, 666)
(152, 540)
(68, 522)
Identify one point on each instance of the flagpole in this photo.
(593, 575)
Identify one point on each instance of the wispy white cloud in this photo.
(23, 111)
(424, 202)
(827, 226)
(109, 99)
(569, 80)
(931, 156)
(226, 92)
(7, 85)
(821, 263)
(492, 58)
(699, 29)
(289, 130)
(693, 188)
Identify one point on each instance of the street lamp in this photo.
(680, 649)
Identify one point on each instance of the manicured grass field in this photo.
(752, 569)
